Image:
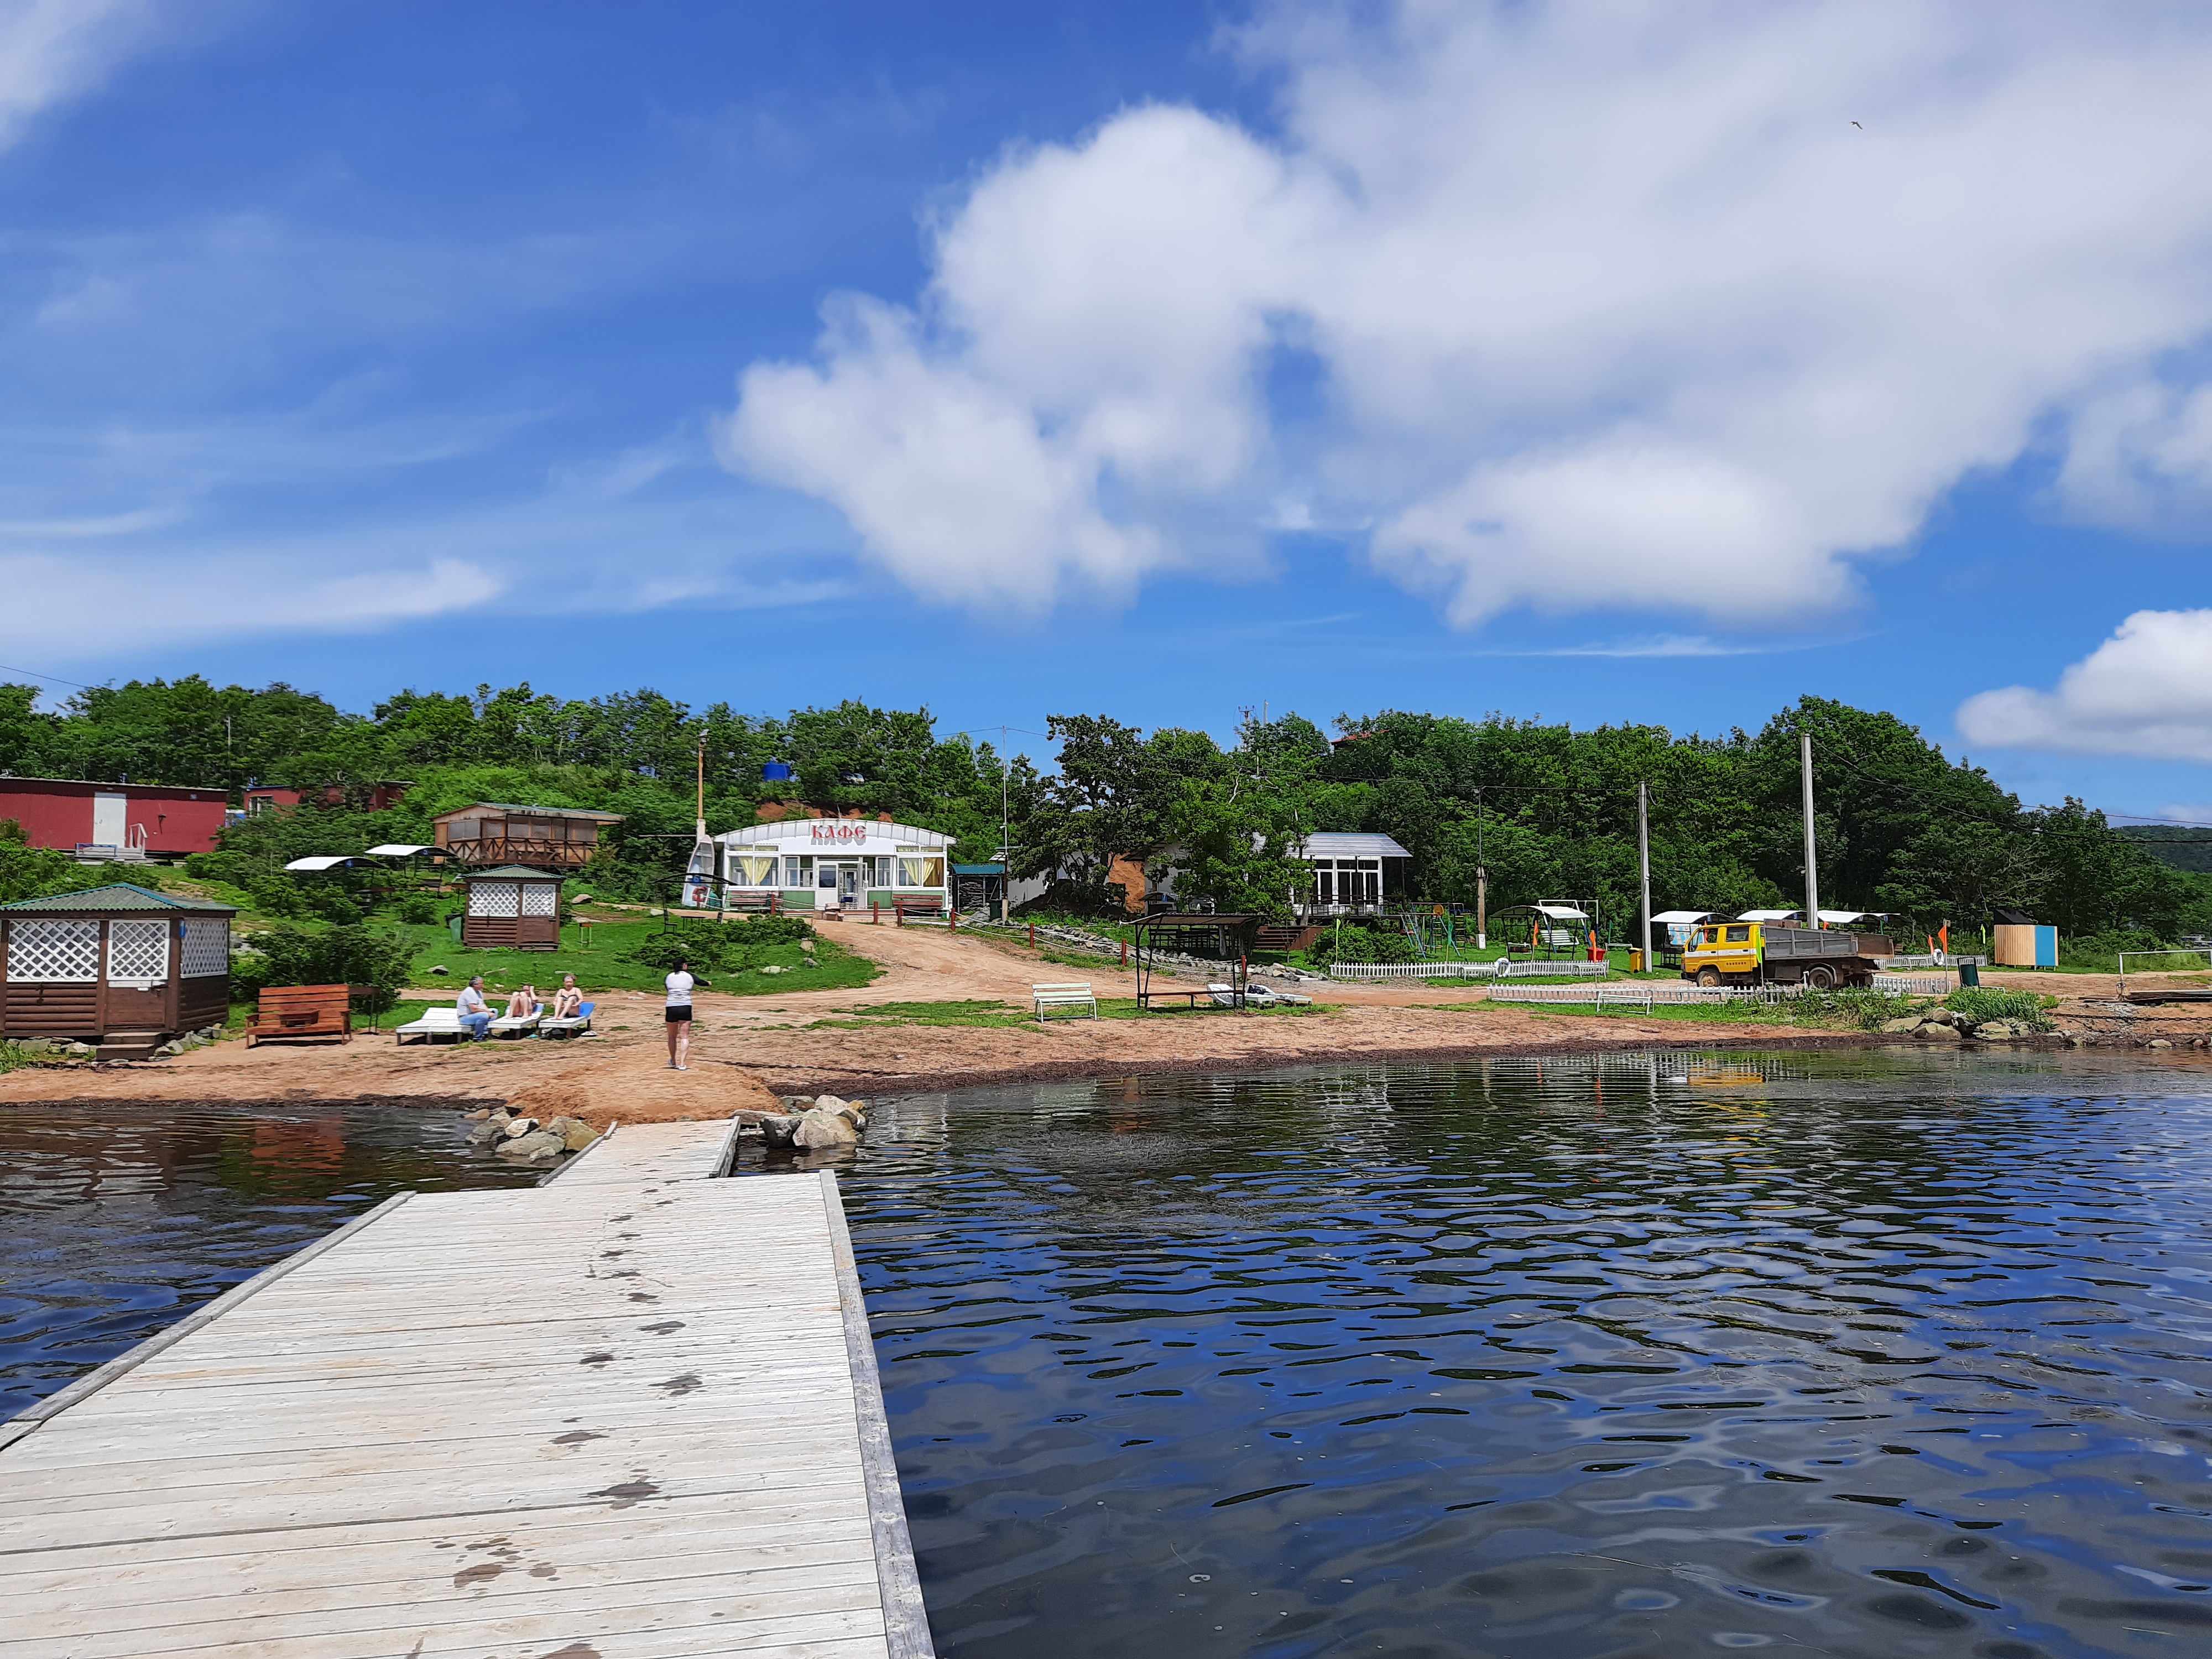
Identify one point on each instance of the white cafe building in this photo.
(828, 864)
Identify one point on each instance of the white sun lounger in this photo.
(520, 1026)
(434, 1023)
(575, 1025)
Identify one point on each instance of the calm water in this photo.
(1862, 1355)
(116, 1221)
(1872, 1355)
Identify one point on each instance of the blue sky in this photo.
(1148, 360)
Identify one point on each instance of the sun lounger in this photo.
(517, 1026)
(1049, 997)
(1224, 996)
(434, 1023)
(575, 1025)
(1266, 996)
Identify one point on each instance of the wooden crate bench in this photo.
(289, 1012)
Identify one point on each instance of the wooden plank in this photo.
(453, 1431)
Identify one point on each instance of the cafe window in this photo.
(922, 871)
(752, 870)
(1739, 935)
(799, 870)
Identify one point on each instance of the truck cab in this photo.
(1725, 953)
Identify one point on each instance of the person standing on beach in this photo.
(679, 1017)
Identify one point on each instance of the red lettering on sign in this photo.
(840, 832)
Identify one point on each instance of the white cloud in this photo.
(2146, 690)
(1612, 305)
(50, 50)
(2187, 811)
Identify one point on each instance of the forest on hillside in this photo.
(1546, 810)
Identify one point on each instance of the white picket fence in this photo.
(1501, 968)
(1373, 970)
(1646, 996)
(1918, 985)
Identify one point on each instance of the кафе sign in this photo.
(840, 831)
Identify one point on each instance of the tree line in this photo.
(1545, 810)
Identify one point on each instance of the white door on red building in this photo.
(111, 815)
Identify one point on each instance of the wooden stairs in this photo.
(1286, 939)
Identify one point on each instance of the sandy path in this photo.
(748, 1047)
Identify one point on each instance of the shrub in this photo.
(1359, 943)
(1865, 1009)
(342, 955)
(1979, 1003)
(419, 910)
(718, 947)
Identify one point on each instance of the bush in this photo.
(1980, 1003)
(718, 947)
(419, 910)
(1865, 1009)
(2099, 953)
(342, 955)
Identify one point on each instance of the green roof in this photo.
(119, 896)
(516, 872)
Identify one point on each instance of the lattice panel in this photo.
(207, 947)
(53, 952)
(138, 954)
(539, 898)
(492, 899)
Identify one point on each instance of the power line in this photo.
(56, 678)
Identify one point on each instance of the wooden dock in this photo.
(630, 1414)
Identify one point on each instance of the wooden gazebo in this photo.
(494, 833)
(119, 964)
(512, 908)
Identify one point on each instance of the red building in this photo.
(265, 798)
(64, 814)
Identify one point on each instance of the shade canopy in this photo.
(1561, 912)
(1681, 915)
(1766, 915)
(323, 861)
(1842, 915)
(400, 849)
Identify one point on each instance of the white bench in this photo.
(1048, 997)
(434, 1023)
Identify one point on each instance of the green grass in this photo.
(1848, 1010)
(1007, 1014)
(829, 967)
(1979, 1003)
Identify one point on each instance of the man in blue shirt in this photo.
(469, 1005)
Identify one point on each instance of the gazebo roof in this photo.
(118, 896)
(514, 872)
(531, 811)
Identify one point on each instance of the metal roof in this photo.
(322, 861)
(1350, 844)
(400, 849)
(910, 834)
(1681, 915)
(1841, 915)
(514, 872)
(979, 869)
(531, 811)
(1766, 915)
(119, 896)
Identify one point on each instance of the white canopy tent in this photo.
(322, 862)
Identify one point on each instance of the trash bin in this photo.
(453, 926)
(1970, 973)
(1635, 961)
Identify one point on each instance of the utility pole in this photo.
(1481, 883)
(1005, 834)
(1643, 859)
(1811, 861)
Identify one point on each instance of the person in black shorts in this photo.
(679, 1017)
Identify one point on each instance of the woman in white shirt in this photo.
(679, 1017)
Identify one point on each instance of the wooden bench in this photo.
(1048, 997)
(286, 1013)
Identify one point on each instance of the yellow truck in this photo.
(1761, 953)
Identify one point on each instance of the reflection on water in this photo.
(1873, 1354)
(116, 1220)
